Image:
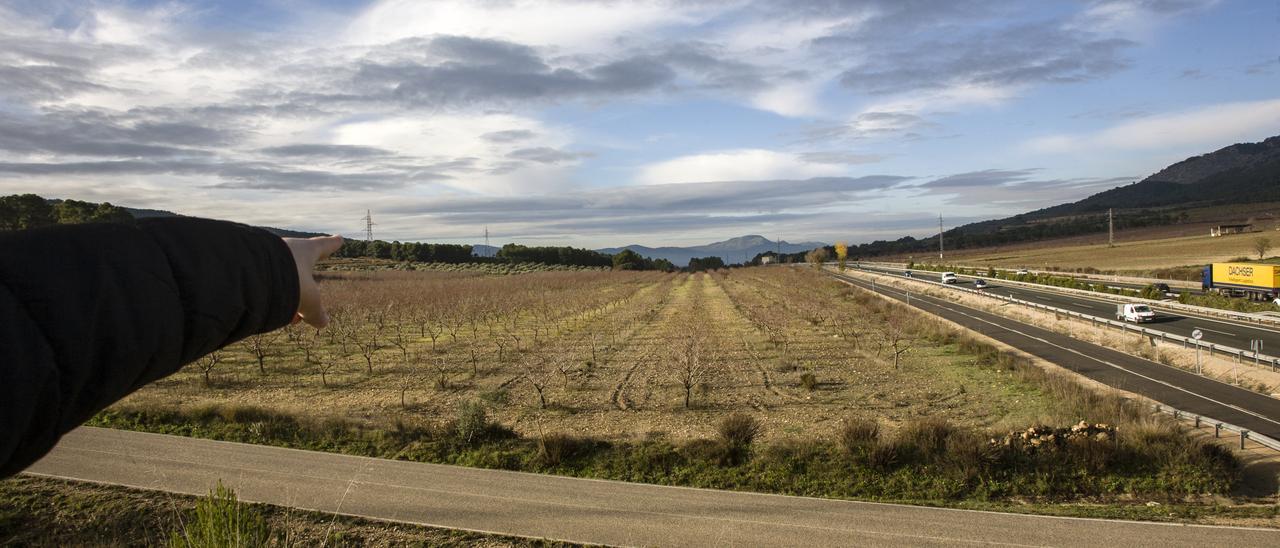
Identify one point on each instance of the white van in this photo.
(949, 278)
(1136, 313)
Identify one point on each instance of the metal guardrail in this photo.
(1101, 278)
(1179, 307)
(1239, 354)
(1219, 426)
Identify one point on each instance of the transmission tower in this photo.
(487, 248)
(939, 236)
(1111, 229)
(368, 226)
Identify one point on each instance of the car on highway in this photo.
(1022, 272)
(949, 278)
(907, 273)
(979, 284)
(1135, 312)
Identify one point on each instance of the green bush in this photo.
(219, 521)
(809, 381)
(472, 422)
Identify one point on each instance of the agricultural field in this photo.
(614, 355)
(773, 379)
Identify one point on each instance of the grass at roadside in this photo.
(37, 511)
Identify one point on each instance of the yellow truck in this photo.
(1255, 281)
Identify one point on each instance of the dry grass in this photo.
(1134, 256)
(596, 356)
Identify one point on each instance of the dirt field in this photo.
(606, 354)
(1140, 250)
(1136, 257)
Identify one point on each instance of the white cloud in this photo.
(448, 137)
(797, 99)
(1208, 125)
(735, 165)
(576, 26)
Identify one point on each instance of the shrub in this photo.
(471, 423)
(737, 432)
(496, 397)
(859, 436)
(221, 520)
(703, 450)
(926, 438)
(556, 447)
(884, 456)
(809, 381)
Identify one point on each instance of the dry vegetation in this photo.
(1140, 251)
(613, 355)
(1139, 257)
(768, 379)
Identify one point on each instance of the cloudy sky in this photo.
(600, 123)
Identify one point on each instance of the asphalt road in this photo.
(1216, 331)
(577, 510)
(1168, 385)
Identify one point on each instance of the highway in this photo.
(1215, 330)
(1168, 385)
(576, 510)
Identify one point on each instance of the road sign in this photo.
(1197, 334)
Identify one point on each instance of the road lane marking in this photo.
(1218, 332)
(940, 304)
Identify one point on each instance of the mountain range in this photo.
(1243, 173)
(733, 250)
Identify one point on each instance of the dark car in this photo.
(979, 283)
(907, 273)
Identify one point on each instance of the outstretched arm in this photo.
(90, 313)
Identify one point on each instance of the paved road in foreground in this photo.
(1215, 330)
(578, 510)
(1169, 385)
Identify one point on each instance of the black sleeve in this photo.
(90, 313)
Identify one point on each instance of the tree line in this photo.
(23, 211)
(510, 253)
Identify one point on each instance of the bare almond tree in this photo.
(207, 363)
(896, 338)
(326, 362)
(538, 373)
(305, 339)
(688, 364)
(368, 342)
(260, 346)
(441, 369)
(410, 377)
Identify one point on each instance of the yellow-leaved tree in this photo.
(842, 254)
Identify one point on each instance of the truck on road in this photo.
(1258, 282)
(1134, 312)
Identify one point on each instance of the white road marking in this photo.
(1218, 332)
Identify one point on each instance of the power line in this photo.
(368, 226)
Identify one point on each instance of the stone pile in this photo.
(1048, 437)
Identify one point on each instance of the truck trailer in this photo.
(1259, 282)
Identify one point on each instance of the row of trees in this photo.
(510, 253)
(407, 251)
(23, 211)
